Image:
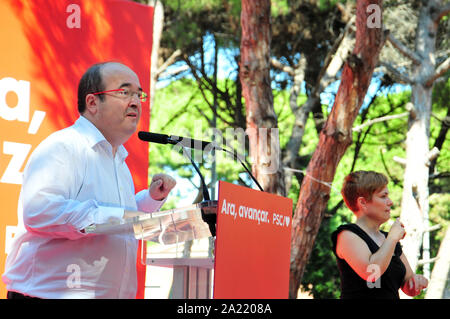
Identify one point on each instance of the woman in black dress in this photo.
(371, 262)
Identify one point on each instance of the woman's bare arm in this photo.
(412, 283)
(357, 254)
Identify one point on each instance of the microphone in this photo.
(174, 140)
(191, 143)
(184, 142)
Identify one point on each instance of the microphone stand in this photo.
(209, 216)
(202, 180)
(187, 142)
(248, 171)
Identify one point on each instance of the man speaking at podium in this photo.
(75, 178)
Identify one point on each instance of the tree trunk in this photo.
(415, 205)
(334, 139)
(333, 63)
(441, 271)
(256, 89)
(439, 142)
(158, 23)
(301, 115)
(414, 214)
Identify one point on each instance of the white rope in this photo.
(328, 184)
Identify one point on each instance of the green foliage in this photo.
(187, 22)
(279, 8)
(327, 4)
(181, 110)
(321, 277)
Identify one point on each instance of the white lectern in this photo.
(192, 276)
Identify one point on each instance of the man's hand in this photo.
(161, 186)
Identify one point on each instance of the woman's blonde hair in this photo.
(361, 184)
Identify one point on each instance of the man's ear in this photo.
(91, 104)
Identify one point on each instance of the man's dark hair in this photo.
(90, 82)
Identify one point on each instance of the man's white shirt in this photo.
(71, 181)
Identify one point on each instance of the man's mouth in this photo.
(132, 114)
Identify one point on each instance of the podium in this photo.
(192, 277)
(251, 231)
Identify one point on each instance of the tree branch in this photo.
(178, 70)
(181, 111)
(433, 154)
(432, 228)
(392, 178)
(440, 139)
(171, 60)
(298, 78)
(280, 66)
(399, 160)
(205, 80)
(202, 87)
(440, 71)
(210, 122)
(440, 175)
(427, 261)
(403, 49)
(335, 58)
(379, 119)
(400, 76)
(346, 11)
(445, 121)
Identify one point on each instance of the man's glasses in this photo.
(125, 94)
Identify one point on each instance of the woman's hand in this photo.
(397, 231)
(415, 285)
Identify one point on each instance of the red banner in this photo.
(45, 48)
(252, 245)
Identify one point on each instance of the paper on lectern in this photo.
(164, 227)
